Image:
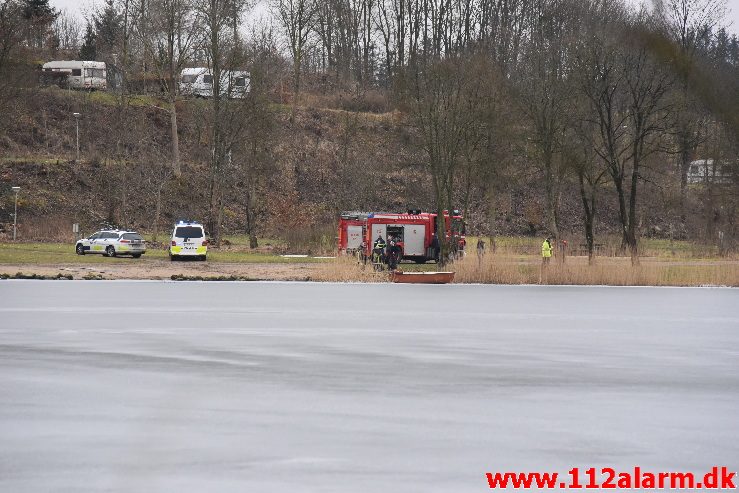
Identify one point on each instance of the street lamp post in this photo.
(77, 119)
(15, 212)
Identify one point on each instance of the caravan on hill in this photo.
(704, 171)
(79, 74)
(198, 82)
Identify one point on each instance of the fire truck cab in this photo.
(352, 227)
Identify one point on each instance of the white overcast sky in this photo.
(79, 7)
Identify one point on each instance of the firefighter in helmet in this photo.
(378, 249)
(435, 247)
(393, 252)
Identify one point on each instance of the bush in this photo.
(371, 101)
(317, 240)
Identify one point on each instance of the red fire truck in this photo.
(352, 227)
(414, 232)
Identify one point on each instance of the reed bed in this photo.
(495, 269)
(515, 269)
(346, 269)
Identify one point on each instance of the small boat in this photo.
(422, 277)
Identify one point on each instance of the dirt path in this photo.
(164, 269)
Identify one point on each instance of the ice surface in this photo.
(274, 387)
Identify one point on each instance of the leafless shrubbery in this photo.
(367, 102)
(316, 240)
(46, 228)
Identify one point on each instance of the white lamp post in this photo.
(77, 119)
(15, 212)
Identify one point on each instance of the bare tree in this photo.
(215, 22)
(11, 38)
(544, 93)
(67, 31)
(169, 41)
(253, 151)
(626, 92)
(690, 24)
(444, 115)
(297, 18)
(579, 151)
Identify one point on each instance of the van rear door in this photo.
(189, 237)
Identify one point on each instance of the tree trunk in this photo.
(296, 86)
(622, 216)
(175, 140)
(216, 139)
(440, 222)
(588, 205)
(684, 167)
(124, 193)
(632, 210)
(219, 220)
(491, 218)
(157, 214)
(551, 202)
(250, 226)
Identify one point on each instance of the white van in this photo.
(199, 82)
(80, 74)
(188, 241)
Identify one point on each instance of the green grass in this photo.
(63, 253)
(662, 249)
(243, 241)
(677, 248)
(238, 241)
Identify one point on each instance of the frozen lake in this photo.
(273, 387)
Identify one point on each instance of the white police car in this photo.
(112, 242)
(188, 241)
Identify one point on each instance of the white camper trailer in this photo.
(704, 171)
(80, 74)
(199, 82)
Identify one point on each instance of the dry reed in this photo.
(498, 269)
(502, 269)
(346, 269)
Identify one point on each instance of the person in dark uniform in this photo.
(393, 252)
(435, 247)
(378, 249)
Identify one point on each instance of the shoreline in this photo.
(495, 271)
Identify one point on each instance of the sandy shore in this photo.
(164, 269)
(494, 270)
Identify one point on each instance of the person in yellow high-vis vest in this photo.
(546, 251)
